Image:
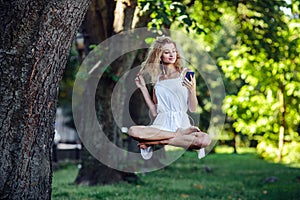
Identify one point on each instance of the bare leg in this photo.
(152, 134)
(197, 140)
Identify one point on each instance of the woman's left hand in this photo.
(190, 85)
(192, 99)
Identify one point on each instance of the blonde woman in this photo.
(173, 95)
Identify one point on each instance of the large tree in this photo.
(103, 20)
(36, 37)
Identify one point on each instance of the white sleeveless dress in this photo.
(172, 107)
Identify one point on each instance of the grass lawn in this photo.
(232, 176)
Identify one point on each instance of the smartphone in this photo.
(187, 75)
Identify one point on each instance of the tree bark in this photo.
(98, 26)
(36, 37)
(103, 20)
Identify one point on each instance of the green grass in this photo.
(233, 177)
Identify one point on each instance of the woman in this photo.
(173, 95)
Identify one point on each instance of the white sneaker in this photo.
(201, 153)
(147, 153)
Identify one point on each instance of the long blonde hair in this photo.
(152, 65)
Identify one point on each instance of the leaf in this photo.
(198, 186)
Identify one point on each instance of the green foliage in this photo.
(291, 151)
(165, 12)
(232, 176)
(217, 19)
(266, 58)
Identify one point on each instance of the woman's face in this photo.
(169, 54)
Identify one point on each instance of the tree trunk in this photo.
(282, 122)
(36, 37)
(104, 19)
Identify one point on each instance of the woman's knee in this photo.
(134, 131)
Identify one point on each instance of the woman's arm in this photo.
(192, 98)
(140, 83)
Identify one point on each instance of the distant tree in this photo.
(36, 38)
(103, 20)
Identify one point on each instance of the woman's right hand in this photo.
(139, 81)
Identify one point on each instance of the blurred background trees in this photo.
(266, 58)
